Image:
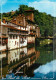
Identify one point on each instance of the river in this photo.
(33, 62)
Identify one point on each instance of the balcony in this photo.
(24, 34)
(13, 33)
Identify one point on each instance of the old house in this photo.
(3, 40)
(26, 22)
(20, 30)
(31, 26)
(16, 37)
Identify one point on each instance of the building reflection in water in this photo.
(23, 52)
(30, 51)
(13, 55)
(22, 56)
(2, 55)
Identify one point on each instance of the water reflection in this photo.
(15, 59)
(23, 52)
(31, 50)
(13, 55)
(3, 55)
(25, 60)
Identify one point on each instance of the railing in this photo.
(20, 33)
(12, 33)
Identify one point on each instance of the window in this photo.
(15, 55)
(16, 36)
(25, 37)
(10, 36)
(3, 43)
(13, 37)
(8, 30)
(15, 42)
(0, 42)
(21, 40)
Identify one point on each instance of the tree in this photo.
(22, 8)
(46, 33)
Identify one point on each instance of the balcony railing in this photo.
(20, 33)
(12, 33)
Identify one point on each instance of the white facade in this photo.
(13, 42)
(12, 30)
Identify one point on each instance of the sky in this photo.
(48, 6)
(46, 68)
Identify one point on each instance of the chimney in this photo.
(4, 21)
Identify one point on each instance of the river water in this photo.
(35, 62)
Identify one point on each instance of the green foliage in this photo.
(43, 20)
(46, 33)
(22, 8)
(46, 51)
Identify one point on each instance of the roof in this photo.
(1, 36)
(14, 18)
